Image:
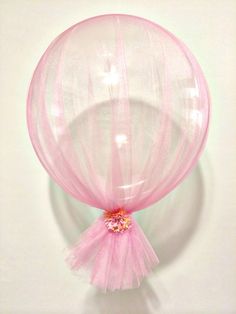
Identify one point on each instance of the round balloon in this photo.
(118, 111)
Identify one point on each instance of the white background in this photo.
(193, 230)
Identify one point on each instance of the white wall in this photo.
(193, 229)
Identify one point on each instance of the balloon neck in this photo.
(118, 221)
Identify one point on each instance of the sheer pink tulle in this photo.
(116, 261)
(118, 112)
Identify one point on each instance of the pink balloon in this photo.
(118, 112)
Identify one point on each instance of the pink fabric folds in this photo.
(114, 260)
(118, 112)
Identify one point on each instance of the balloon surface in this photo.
(118, 111)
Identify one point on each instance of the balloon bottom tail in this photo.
(115, 259)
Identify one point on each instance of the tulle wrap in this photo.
(118, 112)
(115, 260)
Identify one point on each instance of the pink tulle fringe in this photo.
(114, 260)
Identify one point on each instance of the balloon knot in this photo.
(117, 221)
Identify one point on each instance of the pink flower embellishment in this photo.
(117, 221)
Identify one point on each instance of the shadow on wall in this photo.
(142, 300)
(168, 224)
